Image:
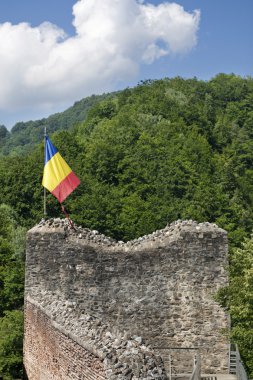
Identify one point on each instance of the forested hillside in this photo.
(165, 150)
(24, 136)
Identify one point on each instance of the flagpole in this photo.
(45, 194)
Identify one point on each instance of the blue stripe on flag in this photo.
(50, 150)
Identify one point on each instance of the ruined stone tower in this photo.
(100, 309)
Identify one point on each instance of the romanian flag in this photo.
(58, 178)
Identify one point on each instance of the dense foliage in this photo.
(240, 300)
(12, 248)
(164, 150)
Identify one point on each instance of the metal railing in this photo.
(196, 373)
(190, 372)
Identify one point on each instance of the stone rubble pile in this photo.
(125, 357)
(93, 236)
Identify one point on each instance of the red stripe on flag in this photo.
(66, 187)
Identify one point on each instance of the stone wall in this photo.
(128, 304)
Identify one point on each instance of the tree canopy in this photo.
(12, 247)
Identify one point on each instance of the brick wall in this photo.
(50, 354)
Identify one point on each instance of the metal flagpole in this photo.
(45, 195)
(67, 216)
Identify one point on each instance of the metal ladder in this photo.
(232, 359)
(236, 366)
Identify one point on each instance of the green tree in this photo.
(238, 298)
(11, 338)
(12, 247)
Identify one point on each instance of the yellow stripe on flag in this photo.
(55, 171)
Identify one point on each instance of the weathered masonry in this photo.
(100, 309)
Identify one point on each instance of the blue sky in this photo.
(113, 46)
(225, 42)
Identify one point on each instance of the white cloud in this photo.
(42, 68)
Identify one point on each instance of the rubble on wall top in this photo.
(170, 232)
